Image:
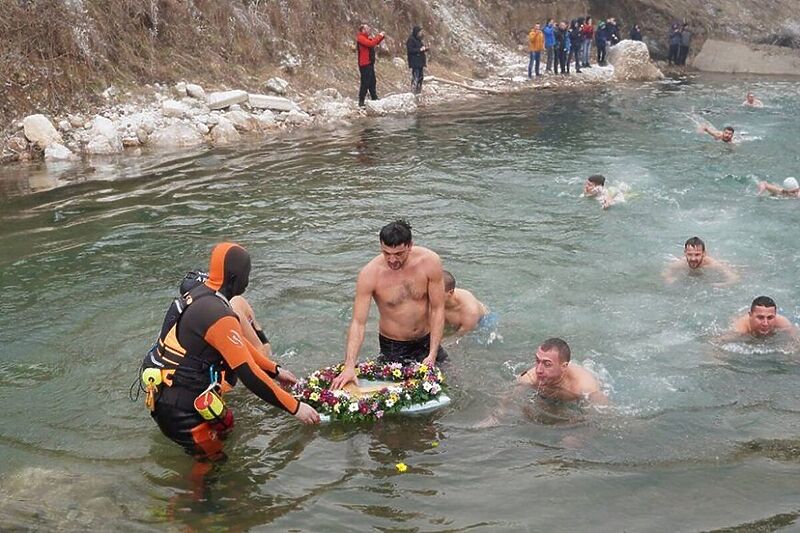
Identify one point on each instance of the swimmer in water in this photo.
(763, 320)
(696, 260)
(751, 101)
(595, 187)
(726, 135)
(462, 310)
(553, 377)
(790, 189)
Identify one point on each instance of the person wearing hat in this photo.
(790, 188)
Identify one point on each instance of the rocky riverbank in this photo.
(186, 115)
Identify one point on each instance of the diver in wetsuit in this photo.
(203, 348)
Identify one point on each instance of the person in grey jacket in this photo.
(686, 39)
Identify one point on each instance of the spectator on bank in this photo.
(366, 62)
(601, 41)
(674, 44)
(587, 31)
(686, 40)
(550, 44)
(536, 45)
(636, 33)
(562, 47)
(416, 58)
(612, 30)
(576, 44)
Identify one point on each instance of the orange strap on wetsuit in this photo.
(250, 365)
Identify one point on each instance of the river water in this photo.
(701, 435)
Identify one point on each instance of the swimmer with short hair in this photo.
(763, 320)
(462, 310)
(594, 187)
(696, 259)
(726, 135)
(751, 101)
(790, 189)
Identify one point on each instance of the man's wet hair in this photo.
(763, 301)
(597, 179)
(695, 242)
(559, 345)
(396, 233)
(729, 128)
(449, 281)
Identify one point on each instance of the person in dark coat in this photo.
(416, 58)
(600, 41)
(576, 43)
(674, 44)
(686, 40)
(612, 31)
(562, 47)
(636, 33)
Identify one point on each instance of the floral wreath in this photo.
(414, 384)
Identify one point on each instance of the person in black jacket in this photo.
(674, 44)
(636, 33)
(562, 47)
(576, 43)
(600, 41)
(416, 58)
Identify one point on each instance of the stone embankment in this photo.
(740, 58)
(186, 115)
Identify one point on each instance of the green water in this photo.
(699, 437)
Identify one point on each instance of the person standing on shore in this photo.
(587, 31)
(536, 45)
(686, 40)
(601, 40)
(416, 58)
(612, 30)
(576, 44)
(674, 44)
(636, 33)
(562, 48)
(366, 62)
(549, 45)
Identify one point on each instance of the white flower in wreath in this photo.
(353, 407)
(435, 388)
(395, 366)
(389, 403)
(337, 407)
(408, 396)
(427, 386)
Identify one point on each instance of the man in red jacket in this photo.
(366, 62)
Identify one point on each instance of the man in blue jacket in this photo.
(549, 44)
(600, 41)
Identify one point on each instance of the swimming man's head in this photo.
(695, 251)
(762, 315)
(593, 185)
(727, 134)
(552, 359)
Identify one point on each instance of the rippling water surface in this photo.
(701, 436)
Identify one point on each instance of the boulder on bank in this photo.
(722, 56)
(396, 104)
(38, 129)
(173, 108)
(224, 132)
(223, 99)
(103, 137)
(177, 136)
(631, 61)
(274, 103)
(242, 120)
(59, 152)
(277, 85)
(195, 91)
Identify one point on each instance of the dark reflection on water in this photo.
(91, 255)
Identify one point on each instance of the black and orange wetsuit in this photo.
(207, 339)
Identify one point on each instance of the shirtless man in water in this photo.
(554, 378)
(696, 259)
(406, 283)
(726, 135)
(750, 100)
(763, 320)
(462, 310)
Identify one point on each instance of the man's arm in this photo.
(436, 308)
(247, 320)
(727, 272)
(711, 131)
(226, 336)
(769, 187)
(365, 286)
(671, 270)
(522, 383)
